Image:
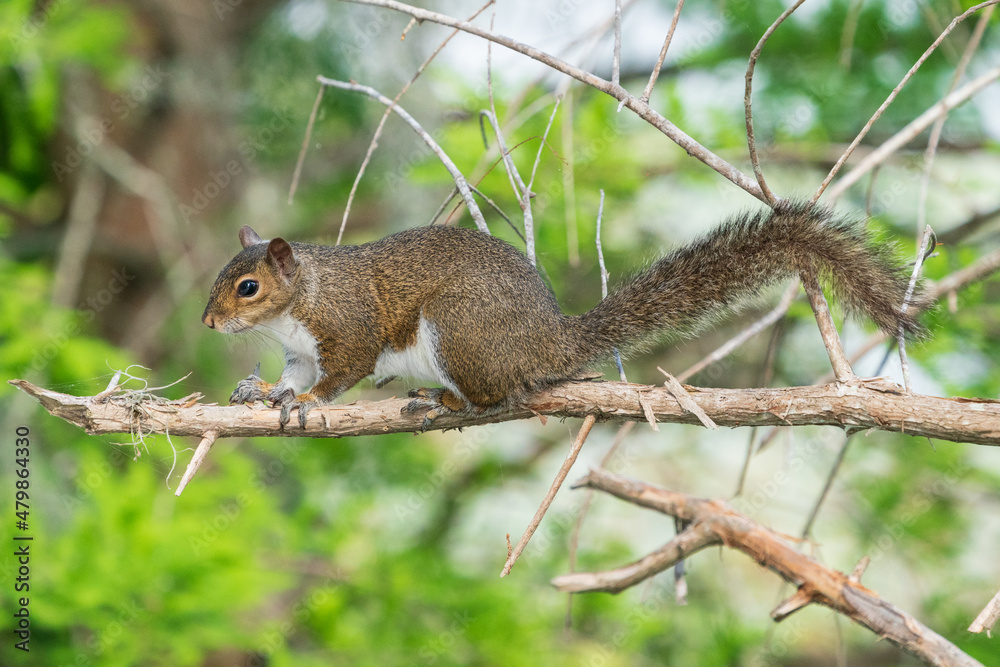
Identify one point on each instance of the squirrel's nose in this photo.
(208, 320)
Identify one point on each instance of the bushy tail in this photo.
(693, 285)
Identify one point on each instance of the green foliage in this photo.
(36, 39)
(375, 551)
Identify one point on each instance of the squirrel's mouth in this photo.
(235, 326)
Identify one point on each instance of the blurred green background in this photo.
(136, 138)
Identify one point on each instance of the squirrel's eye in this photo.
(247, 288)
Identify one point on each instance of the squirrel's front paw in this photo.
(304, 402)
(251, 389)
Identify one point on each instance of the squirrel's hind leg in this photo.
(440, 401)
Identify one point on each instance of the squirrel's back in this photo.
(470, 311)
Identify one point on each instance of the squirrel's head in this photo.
(256, 286)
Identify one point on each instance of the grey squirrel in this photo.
(470, 312)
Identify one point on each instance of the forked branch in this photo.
(715, 522)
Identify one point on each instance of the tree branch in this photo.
(460, 182)
(815, 583)
(863, 404)
(641, 108)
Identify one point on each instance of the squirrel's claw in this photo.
(251, 389)
(440, 402)
(304, 403)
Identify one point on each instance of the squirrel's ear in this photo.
(281, 257)
(249, 237)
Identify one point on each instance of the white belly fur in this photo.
(419, 361)
(302, 369)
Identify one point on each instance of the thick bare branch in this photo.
(863, 404)
(815, 583)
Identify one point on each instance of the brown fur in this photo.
(501, 332)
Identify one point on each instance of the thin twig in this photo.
(686, 543)
(684, 399)
(521, 191)
(827, 329)
(588, 423)
(373, 144)
(600, 253)
(642, 109)
(742, 337)
(748, 97)
(922, 253)
(616, 60)
(807, 528)
(544, 143)
(604, 284)
(892, 96)
(648, 91)
(935, 136)
(305, 148)
(745, 468)
(207, 440)
(460, 182)
(849, 32)
(569, 185)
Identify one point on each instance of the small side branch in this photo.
(908, 133)
(987, 617)
(663, 53)
(641, 108)
(460, 182)
(748, 100)
(814, 582)
(200, 453)
(588, 423)
(831, 339)
(692, 540)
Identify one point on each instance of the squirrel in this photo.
(469, 311)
